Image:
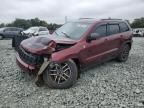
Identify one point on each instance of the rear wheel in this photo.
(124, 53)
(61, 76)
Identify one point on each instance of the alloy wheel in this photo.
(59, 73)
(125, 53)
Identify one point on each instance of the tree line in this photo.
(23, 23)
(138, 23)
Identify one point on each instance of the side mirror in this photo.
(21, 30)
(93, 36)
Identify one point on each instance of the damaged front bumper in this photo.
(28, 62)
(24, 66)
(32, 69)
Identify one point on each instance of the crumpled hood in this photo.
(37, 44)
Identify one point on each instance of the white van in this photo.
(138, 32)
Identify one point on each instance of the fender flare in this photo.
(129, 42)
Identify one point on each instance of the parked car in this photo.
(9, 32)
(36, 31)
(58, 58)
(17, 40)
(138, 32)
(32, 31)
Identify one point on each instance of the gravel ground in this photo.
(110, 85)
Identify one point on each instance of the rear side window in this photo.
(113, 29)
(43, 29)
(14, 29)
(101, 30)
(123, 27)
(17, 29)
(8, 29)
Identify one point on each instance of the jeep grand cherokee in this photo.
(58, 58)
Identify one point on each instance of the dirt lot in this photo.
(110, 85)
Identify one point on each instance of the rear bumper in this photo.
(24, 66)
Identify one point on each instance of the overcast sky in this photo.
(56, 10)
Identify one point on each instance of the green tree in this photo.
(2, 25)
(38, 22)
(138, 23)
(35, 22)
(22, 23)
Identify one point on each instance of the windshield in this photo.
(33, 29)
(73, 30)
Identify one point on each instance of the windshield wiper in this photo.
(65, 34)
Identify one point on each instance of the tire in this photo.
(57, 79)
(1, 37)
(124, 53)
(13, 42)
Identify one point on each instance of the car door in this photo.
(14, 32)
(7, 33)
(94, 50)
(17, 31)
(113, 40)
(124, 31)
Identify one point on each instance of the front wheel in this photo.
(1, 37)
(61, 76)
(13, 42)
(124, 53)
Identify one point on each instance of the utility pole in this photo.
(65, 19)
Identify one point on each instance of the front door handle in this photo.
(106, 39)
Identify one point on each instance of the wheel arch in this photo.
(129, 43)
(77, 62)
(1, 35)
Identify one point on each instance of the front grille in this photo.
(29, 58)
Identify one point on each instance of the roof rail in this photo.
(101, 19)
(111, 19)
(85, 18)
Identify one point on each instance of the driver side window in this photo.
(43, 29)
(101, 30)
(7, 30)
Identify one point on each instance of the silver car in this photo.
(138, 32)
(36, 31)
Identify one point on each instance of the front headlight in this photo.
(50, 47)
(35, 34)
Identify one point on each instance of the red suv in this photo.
(58, 58)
